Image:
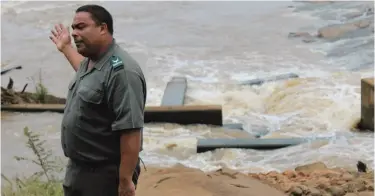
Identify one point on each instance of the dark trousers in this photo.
(87, 180)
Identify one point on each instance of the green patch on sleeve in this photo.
(117, 63)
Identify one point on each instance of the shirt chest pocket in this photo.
(90, 95)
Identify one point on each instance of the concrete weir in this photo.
(185, 115)
(270, 79)
(174, 93)
(205, 145)
(204, 114)
(367, 104)
(238, 126)
(172, 109)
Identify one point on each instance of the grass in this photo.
(41, 91)
(32, 187)
(41, 183)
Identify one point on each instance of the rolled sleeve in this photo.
(126, 99)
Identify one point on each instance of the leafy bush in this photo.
(41, 91)
(41, 183)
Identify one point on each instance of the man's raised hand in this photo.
(60, 37)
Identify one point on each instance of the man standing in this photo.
(103, 118)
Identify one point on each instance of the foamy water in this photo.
(215, 45)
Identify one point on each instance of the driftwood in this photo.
(10, 96)
(10, 84)
(10, 69)
(24, 88)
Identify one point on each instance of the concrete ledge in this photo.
(367, 104)
(270, 79)
(238, 126)
(174, 93)
(59, 108)
(205, 145)
(202, 114)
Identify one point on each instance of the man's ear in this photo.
(103, 28)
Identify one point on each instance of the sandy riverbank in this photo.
(309, 180)
(183, 181)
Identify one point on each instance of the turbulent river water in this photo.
(215, 45)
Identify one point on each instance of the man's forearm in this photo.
(130, 143)
(73, 57)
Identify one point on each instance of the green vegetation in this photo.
(40, 96)
(33, 187)
(41, 91)
(41, 183)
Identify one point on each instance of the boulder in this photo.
(311, 167)
(299, 34)
(306, 37)
(317, 180)
(353, 15)
(335, 31)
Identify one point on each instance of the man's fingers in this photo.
(53, 38)
(58, 29)
(63, 28)
(54, 33)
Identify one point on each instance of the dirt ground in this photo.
(309, 180)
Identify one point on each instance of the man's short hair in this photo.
(99, 14)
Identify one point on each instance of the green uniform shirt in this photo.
(102, 103)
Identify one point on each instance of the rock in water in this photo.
(298, 34)
(335, 31)
(306, 37)
(361, 167)
(311, 167)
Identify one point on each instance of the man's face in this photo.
(86, 33)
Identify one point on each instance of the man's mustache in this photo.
(78, 41)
